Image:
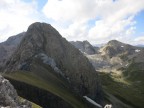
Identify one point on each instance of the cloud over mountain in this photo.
(95, 20)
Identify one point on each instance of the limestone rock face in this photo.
(42, 38)
(9, 97)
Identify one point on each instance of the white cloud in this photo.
(97, 21)
(15, 17)
(137, 40)
(75, 31)
(73, 10)
(140, 39)
(113, 20)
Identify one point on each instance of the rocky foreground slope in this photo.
(9, 97)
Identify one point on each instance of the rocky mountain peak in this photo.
(43, 41)
(85, 47)
(114, 47)
(42, 27)
(86, 42)
(115, 43)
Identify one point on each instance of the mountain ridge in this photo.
(85, 47)
(43, 51)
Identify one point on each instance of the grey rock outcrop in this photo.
(9, 97)
(121, 53)
(43, 38)
(85, 47)
(115, 48)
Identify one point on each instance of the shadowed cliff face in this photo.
(39, 96)
(43, 39)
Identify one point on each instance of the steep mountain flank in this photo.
(43, 52)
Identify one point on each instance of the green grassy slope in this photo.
(33, 104)
(127, 91)
(52, 84)
(135, 72)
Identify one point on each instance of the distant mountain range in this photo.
(85, 47)
(121, 68)
(113, 54)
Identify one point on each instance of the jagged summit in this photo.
(114, 47)
(115, 42)
(85, 47)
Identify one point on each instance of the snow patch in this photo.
(137, 50)
(92, 101)
(122, 46)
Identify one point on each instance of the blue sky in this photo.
(97, 21)
(140, 23)
(40, 3)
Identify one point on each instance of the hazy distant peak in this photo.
(14, 40)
